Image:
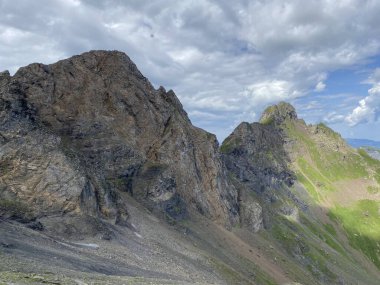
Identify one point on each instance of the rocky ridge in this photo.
(258, 156)
(91, 151)
(293, 171)
(79, 132)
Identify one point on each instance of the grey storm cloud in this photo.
(226, 60)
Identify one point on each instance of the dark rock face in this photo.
(77, 134)
(88, 128)
(255, 154)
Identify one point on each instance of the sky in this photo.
(225, 60)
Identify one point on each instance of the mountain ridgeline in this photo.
(90, 151)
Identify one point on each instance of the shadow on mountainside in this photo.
(295, 248)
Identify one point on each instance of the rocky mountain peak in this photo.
(4, 74)
(90, 151)
(99, 121)
(278, 113)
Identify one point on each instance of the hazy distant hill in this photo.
(373, 152)
(362, 142)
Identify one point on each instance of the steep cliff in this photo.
(257, 156)
(103, 179)
(79, 132)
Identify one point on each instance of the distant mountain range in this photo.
(362, 142)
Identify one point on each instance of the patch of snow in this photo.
(89, 245)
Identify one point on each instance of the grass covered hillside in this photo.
(343, 180)
(320, 200)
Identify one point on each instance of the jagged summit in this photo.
(116, 133)
(278, 113)
(4, 74)
(93, 156)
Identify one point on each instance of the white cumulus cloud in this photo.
(368, 109)
(333, 118)
(320, 86)
(218, 56)
(268, 91)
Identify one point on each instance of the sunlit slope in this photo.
(314, 190)
(343, 180)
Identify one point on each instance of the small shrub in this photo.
(16, 210)
(373, 189)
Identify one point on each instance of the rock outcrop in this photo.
(257, 155)
(77, 134)
(278, 114)
(83, 139)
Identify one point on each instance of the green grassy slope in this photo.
(322, 160)
(319, 243)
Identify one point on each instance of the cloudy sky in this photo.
(226, 60)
